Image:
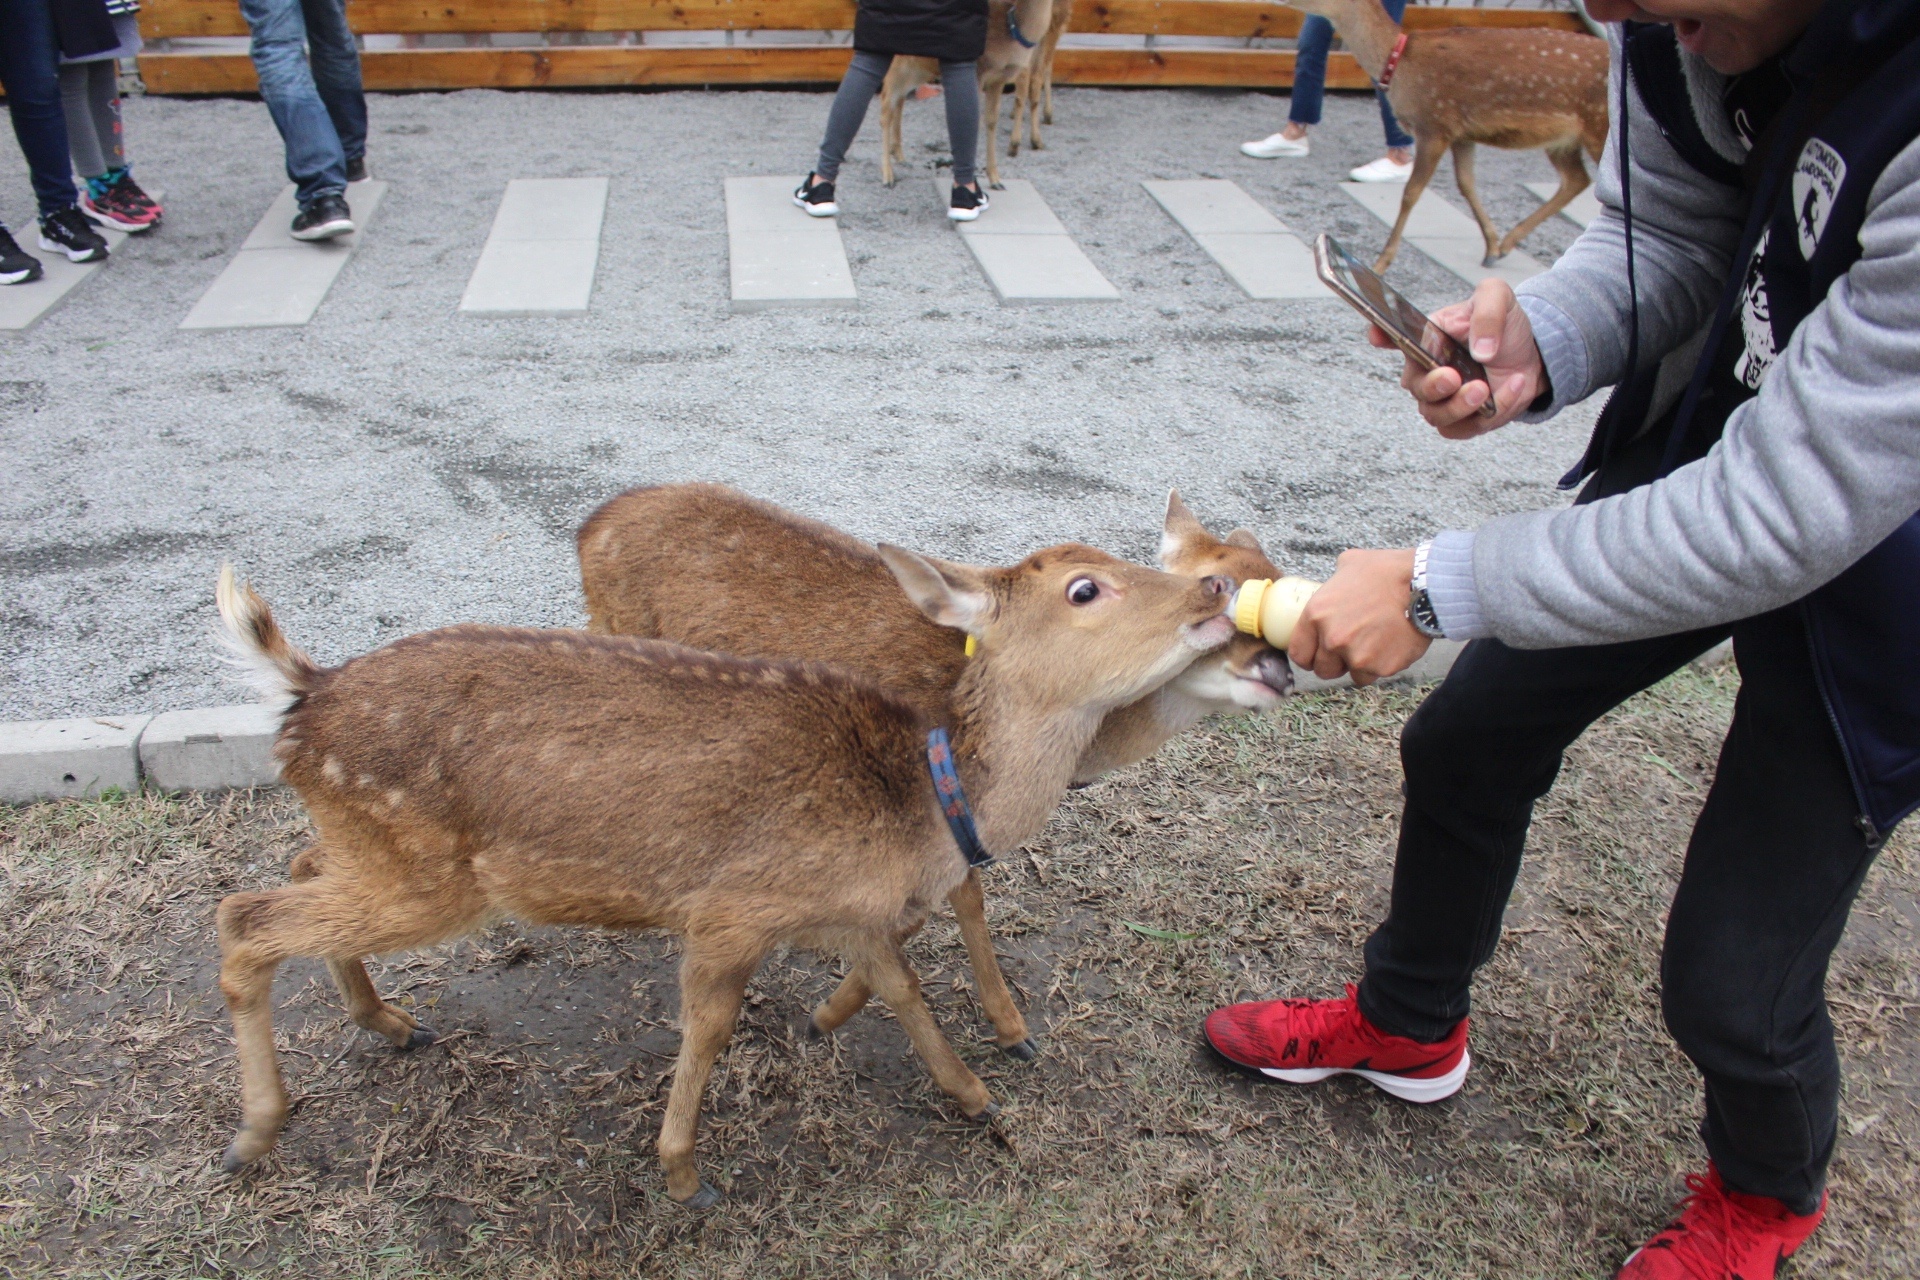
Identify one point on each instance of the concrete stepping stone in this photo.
(21, 305)
(777, 255)
(1251, 245)
(275, 279)
(1026, 253)
(1580, 211)
(1446, 234)
(541, 255)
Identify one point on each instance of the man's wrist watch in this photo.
(1419, 604)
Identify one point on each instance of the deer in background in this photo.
(467, 774)
(1014, 32)
(1518, 89)
(711, 568)
(1034, 91)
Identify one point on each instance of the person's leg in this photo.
(1476, 755)
(1310, 71)
(76, 104)
(1771, 873)
(961, 84)
(857, 88)
(103, 97)
(335, 63)
(316, 163)
(1398, 139)
(30, 69)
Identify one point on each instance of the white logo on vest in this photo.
(1756, 321)
(1816, 181)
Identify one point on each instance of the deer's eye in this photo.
(1083, 591)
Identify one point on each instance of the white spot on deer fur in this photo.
(331, 770)
(366, 780)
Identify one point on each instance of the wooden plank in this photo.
(1234, 18)
(588, 66)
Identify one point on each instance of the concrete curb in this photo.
(222, 748)
(210, 749)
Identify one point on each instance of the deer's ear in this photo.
(953, 595)
(1245, 538)
(1181, 534)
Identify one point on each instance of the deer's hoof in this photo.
(420, 1039)
(1492, 259)
(1027, 1050)
(986, 1114)
(234, 1159)
(705, 1198)
(997, 186)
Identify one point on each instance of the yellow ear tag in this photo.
(973, 646)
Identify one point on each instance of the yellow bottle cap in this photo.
(1246, 604)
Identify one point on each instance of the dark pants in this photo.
(1310, 75)
(960, 82)
(30, 70)
(309, 71)
(1771, 872)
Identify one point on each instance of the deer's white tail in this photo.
(279, 671)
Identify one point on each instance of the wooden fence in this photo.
(556, 64)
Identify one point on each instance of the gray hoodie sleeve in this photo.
(1810, 475)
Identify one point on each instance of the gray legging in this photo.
(90, 97)
(862, 81)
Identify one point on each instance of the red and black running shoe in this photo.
(1305, 1041)
(1722, 1234)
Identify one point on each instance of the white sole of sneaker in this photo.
(73, 255)
(20, 277)
(325, 231)
(1405, 1088)
(962, 215)
(108, 220)
(817, 210)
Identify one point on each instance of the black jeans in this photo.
(1771, 872)
(30, 69)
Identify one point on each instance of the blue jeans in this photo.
(30, 69)
(309, 73)
(1310, 75)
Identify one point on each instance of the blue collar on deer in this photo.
(1013, 29)
(953, 800)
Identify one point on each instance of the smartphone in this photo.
(1423, 341)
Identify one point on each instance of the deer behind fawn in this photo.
(709, 567)
(1015, 30)
(462, 775)
(1518, 89)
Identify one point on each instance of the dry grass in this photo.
(521, 1144)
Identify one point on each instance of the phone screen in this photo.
(1405, 323)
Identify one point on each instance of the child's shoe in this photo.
(815, 197)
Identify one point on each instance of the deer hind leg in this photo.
(990, 91)
(894, 981)
(1426, 158)
(364, 1004)
(1573, 180)
(1010, 1029)
(713, 979)
(1463, 177)
(849, 998)
(890, 106)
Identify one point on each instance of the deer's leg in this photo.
(1428, 149)
(990, 90)
(849, 998)
(713, 979)
(250, 952)
(1573, 180)
(1463, 177)
(1010, 1029)
(895, 982)
(890, 106)
(368, 1010)
(1046, 82)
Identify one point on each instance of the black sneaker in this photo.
(968, 203)
(69, 232)
(323, 219)
(17, 266)
(357, 169)
(816, 198)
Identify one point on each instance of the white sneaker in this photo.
(1385, 169)
(1275, 145)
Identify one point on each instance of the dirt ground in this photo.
(521, 1144)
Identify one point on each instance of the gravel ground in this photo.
(395, 465)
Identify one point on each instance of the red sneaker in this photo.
(1722, 1234)
(1303, 1041)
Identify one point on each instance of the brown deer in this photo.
(462, 775)
(1034, 91)
(1519, 89)
(711, 568)
(1014, 31)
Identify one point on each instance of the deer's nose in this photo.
(1217, 585)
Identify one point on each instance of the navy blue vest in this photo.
(1851, 90)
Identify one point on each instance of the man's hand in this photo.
(1495, 330)
(1357, 622)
